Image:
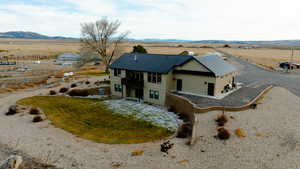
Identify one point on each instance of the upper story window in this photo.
(135, 75)
(154, 77)
(117, 72)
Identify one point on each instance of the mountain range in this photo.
(29, 35)
(33, 35)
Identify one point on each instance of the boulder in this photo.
(13, 162)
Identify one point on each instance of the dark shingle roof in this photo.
(216, 64)
(149, 62)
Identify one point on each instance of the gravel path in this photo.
(277, 148)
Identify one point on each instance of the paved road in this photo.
(254, 75)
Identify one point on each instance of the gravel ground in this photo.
(276, 120)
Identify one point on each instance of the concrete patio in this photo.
(239, 98)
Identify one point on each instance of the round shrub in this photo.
(12, 110)
(185, 131)
(73, 85)
(34, 111)
(63, 90)
(79, 92)
(223, 134)
(37, 119)
(221, 120)
(52, 92)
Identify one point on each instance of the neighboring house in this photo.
(150, 76)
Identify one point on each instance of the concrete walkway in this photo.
(240, 97)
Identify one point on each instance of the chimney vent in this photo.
(135, 58)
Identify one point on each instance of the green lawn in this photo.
(90, 119)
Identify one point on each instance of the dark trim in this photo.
(190, 72)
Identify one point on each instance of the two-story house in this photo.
(149, 76)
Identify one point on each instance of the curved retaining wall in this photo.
(185, 106)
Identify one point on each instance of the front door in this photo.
(179, 85)
(139, 93)
(211, 89)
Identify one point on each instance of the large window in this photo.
(153, 94)
(118, 88)
(154, 77)
(117, 72)
(135, 75)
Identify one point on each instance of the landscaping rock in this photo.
(13, 162)
(166, 146)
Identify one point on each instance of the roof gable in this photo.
(215, 64)
(149, 62)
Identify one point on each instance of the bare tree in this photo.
(101, 38)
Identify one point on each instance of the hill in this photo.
(33, 35)
(29, 35)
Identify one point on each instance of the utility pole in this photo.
(292, 57)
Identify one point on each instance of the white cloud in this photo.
(182, 19)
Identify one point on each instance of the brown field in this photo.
(33, 47)
(24, 51)
(263, 56)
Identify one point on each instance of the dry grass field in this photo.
(263, 56)
(25, 51)
(37, 47)
(34, 47)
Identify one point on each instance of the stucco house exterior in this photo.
(148, 77)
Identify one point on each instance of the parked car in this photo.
(289, 65)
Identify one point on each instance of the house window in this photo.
(154, 94)
(154, 77)
(118, 88)
(117, 72)
(135, 75)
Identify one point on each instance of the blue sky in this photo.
(176, 19)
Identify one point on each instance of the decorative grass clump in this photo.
(63, 90)
(221, 120)
(90, 119)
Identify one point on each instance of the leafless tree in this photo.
(102, 38)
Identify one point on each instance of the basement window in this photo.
(153, 94)
(118, 88)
